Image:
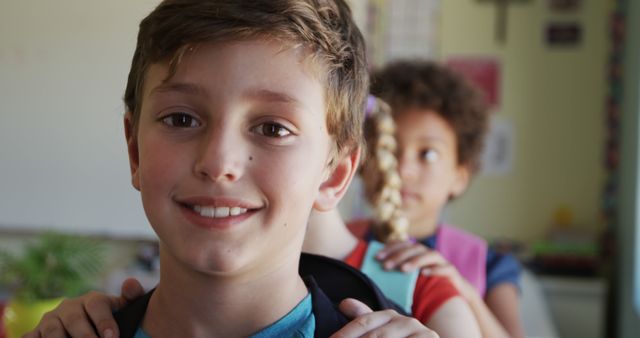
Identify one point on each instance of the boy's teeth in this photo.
(222, 212)
(235, 211)
(218, 212)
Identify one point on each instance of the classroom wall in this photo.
(63, 159)
(63, 67)
(554, 98)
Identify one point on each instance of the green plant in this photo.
(54, 265)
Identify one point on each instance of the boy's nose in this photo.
(219, 158)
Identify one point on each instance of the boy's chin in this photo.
(200, 260)
(227, 264)
(220, 267)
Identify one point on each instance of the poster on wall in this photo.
(497, 157)
(395, 29)
(412, 29)
(484, 72)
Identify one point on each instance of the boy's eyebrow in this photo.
(271, 96)
(186, 88)
(257, 94)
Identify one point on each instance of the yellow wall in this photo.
(555, 100)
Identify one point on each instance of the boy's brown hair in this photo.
(411, 84)
(324, 28)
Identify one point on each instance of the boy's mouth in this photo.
(218, 212)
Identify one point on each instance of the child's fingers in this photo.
(392, 247)
(99, 309)
(426, 259)
(399, 257)
(68, 317)
(387, 323)
(49, 327)
(402, 326)
(353, 308)
(131, 289)
(362, 324)
(77, 317)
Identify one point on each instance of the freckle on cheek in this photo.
(250, 158)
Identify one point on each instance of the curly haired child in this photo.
(441, 123)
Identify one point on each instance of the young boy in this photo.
(225, 102)
(440, 128)
(436, 302)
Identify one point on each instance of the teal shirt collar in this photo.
(299, 322)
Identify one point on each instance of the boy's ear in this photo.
(336, 184)
(132, 147)
(463, 176)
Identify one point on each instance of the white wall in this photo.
(555, 99)
(63, 69)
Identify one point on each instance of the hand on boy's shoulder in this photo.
(89, 315)
(385, 323)
(408, 256)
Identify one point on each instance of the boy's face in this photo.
(428, 167)
(231, 155)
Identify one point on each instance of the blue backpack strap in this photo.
(397, 286)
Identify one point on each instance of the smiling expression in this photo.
(230, 154)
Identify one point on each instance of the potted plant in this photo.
(52, 267)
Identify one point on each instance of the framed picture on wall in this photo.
(396, 29)
(565, 5)
(563, 34)
(482, 71)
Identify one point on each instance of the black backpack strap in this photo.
(326, 314)
(130, 317)
(338, 280)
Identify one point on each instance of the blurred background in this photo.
(558, 186)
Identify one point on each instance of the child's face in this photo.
(231, 155)
(428, 167)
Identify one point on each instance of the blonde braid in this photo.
(380, 173)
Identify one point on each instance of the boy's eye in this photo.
(429, 155)
(181, 120)
(272, 129)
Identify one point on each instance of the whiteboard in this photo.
(63, 160)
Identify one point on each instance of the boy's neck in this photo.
(192, 304)
(328, 235)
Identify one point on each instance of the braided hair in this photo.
(379, 172)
